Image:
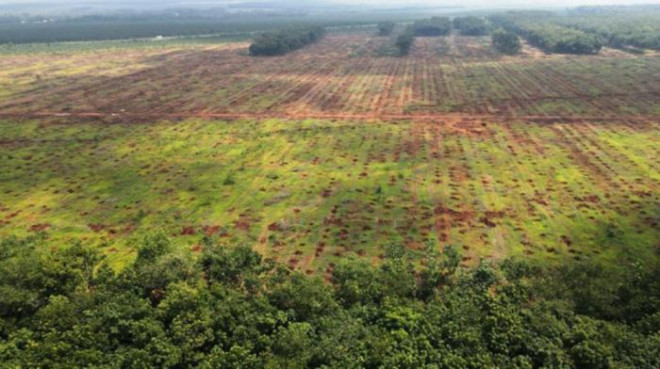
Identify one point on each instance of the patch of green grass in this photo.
(311, 192)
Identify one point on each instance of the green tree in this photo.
(506, 42)
(404, 42)
(435, 26)
(471, 26)
(385, 28)
(283, 41)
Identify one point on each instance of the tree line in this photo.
(405, 41)
(503, 41)
(539, 29)
(556, 39)
(443, 26)
(435, 26)
(471, 26)
(385, 28)
(506, 42)
(62, 306)
(92, 28)
(625, 29)
(584, 30)
(283, 41)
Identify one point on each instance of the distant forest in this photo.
(89, 29)
(582, 30)
(40, 29)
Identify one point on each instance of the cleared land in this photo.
(338, 76)
(309, 192)
(333, 151)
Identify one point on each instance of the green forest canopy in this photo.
(470, 26)
(284, 41)
(62, 306)
(435, 26)
(506, 42)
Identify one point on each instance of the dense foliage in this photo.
(435, 26)
(585, 30)
(385, 28)
(471, 26)
(548, 36)
(557, 39)
(284, 41)
(105, 30)
(506, 42)
(630, 29)
(405, 41)
(39, 30)
(63, 307)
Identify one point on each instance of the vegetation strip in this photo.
(347, 116)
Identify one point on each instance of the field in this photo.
(333, 150)
(307, 193)
(357, 201)
(341, 75)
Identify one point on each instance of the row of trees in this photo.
(111, 30)
(506, 42)
(550, 37)
(471, 26)
(405, 41)
(385, 28)
(283, 41)
(556, 39)
(440, 26)
(624, 38)
(620, 30)
(435, 26)
(64, 307)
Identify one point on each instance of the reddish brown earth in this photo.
(340, 77)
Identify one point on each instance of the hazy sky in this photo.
(503, 3)
(479, 3)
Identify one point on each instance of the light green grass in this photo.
(289, 187)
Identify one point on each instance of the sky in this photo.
(468, 3)
(505, 3)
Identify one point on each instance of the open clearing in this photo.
(332, 151)
(309, 192)
(339, 75)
